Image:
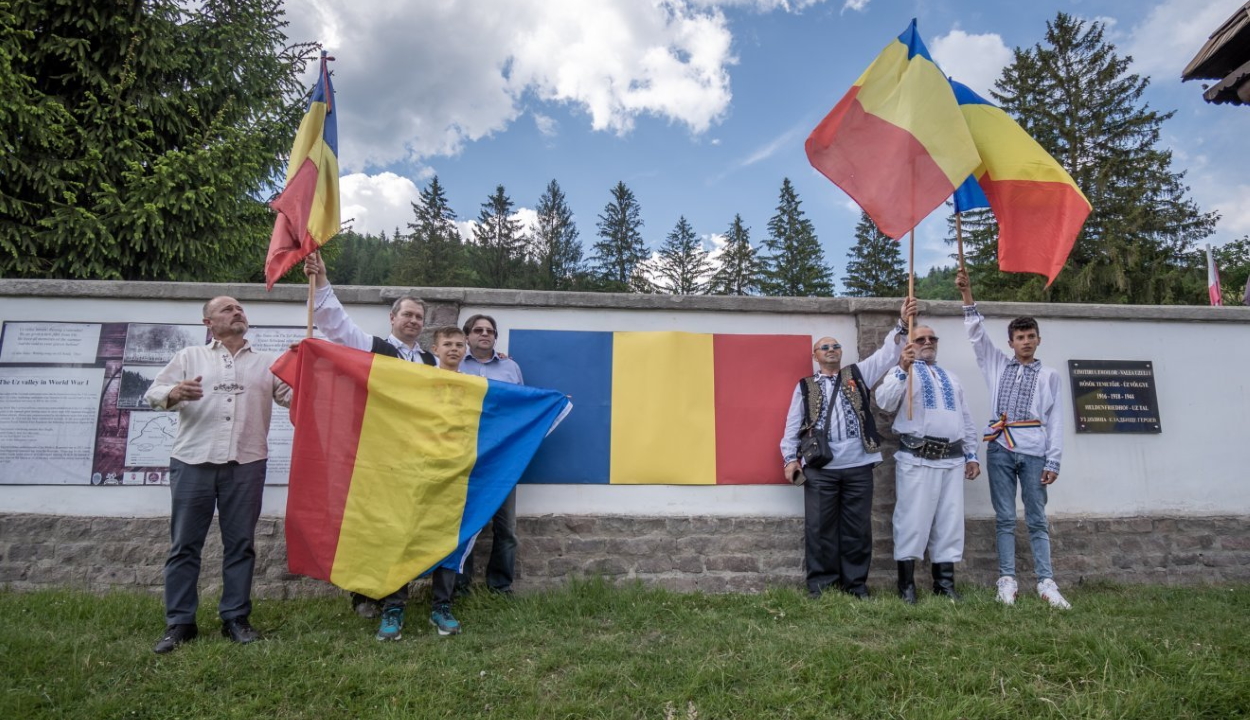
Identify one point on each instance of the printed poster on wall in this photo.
(72, 408)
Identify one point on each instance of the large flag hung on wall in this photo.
(308, 207)
(664, 407)
(1039, 208)
(396, 464)
(896, 142)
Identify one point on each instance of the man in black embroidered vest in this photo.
(837, 497)
(407, 321)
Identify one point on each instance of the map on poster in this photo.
(72, 408)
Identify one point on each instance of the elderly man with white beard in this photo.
(937, 449)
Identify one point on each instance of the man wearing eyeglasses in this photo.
(1025, 440)
(837, 497)
(483, 360)
(937, 449)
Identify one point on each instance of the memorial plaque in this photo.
(1114, 396)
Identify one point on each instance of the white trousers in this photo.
(929, 512)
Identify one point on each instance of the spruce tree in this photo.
(554, 245)
(682, 267)
(499, 249)
(874, 266)
(621, 249)
(1077, 98)
(794, 265)
(138, 140)
(432, 253)
(739, 270)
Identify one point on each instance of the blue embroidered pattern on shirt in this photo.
(927, 393)
(948, 390)
(1015, 390)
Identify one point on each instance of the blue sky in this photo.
(701, 107)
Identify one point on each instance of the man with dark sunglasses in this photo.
(837, 496)
(483, 360)
(937, 449)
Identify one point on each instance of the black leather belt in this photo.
(931, 448)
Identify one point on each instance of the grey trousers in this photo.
(235, 492)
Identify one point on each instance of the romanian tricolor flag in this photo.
(896, 142)
(396, 464)
(308, 208)
(1040, 210)
(1213, 280)
(669, 408)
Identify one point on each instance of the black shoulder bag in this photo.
(814, 441)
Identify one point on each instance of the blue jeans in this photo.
(1006, 469)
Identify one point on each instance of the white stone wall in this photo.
(1197, 466)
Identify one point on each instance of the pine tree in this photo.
(555, 247)
(432, 253)
(621, 249)
(874, 266)
(499, 250)
(682, 266)
(1077, 98)
(739, 270)
(139, 139)
(795, 263)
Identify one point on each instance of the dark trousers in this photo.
(837, 527)
(235, 492)
(501, 567)
(442, 585)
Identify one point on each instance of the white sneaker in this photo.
(1007, 590)
(1050, 593)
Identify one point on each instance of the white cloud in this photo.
(377, 203)
(546, 125)
(856, 5)
(1172, 33)
(417, 79)
(974, 60)
(1234, 209)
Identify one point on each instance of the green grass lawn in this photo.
(595, 651)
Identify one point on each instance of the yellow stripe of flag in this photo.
(663, 409)
(399, 485)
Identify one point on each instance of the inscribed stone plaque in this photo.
(1114, 396)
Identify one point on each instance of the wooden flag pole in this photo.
(911, 295)
(959, 239)
(312, 293)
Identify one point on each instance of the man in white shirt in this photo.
(1025, 442)
(937, 450)
(224, 394)
(837, 496)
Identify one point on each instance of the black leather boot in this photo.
(944, 581)
(907, 581)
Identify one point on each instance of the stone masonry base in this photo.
(706, 554)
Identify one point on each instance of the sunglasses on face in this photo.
(483, 331)
(926, 340)
(826, 347)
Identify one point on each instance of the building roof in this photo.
(1225, 57)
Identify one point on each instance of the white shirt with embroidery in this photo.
(231, 422)
(938, 410)
(1022, 392)
(844, 430)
